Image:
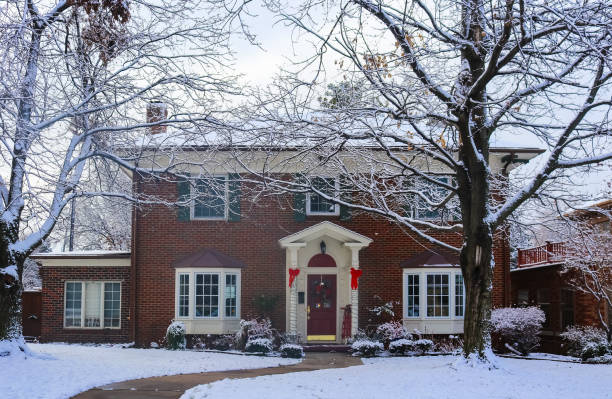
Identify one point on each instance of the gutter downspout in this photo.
(133, 296)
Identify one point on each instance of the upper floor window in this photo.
(316, 204)
(210, 198)
(427, 205)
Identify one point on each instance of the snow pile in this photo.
(61, 371)
(519, 327)
(427, 377)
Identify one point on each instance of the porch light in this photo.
(323, 247)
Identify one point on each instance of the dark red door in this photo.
(321, 307)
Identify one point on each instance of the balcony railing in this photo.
(551, 252)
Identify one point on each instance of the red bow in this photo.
(355, 274)
(292, 275)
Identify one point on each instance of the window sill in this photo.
(92, 328)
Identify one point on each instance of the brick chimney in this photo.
(156, 111)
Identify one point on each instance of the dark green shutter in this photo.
(299, 202)
(182, 186)
(234, 197)
(345, 195)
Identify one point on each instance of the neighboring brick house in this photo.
(538, 280)
(207, 264)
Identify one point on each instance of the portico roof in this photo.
(326, 228)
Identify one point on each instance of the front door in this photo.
(321, 307)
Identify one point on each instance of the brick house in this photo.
(209, 263)
(537, 280)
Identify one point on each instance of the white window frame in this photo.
(336, 211)
(405, 291)
(221, 272)
(225, 199)
(423, 272)
(83, 296)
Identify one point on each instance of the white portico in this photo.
(319, 260)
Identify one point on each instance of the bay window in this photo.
(433, 294)
(92, 304)
(209, 294)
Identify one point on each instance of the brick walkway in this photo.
(173, 386)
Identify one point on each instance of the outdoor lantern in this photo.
(323, 247)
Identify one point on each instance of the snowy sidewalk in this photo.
(173, 386)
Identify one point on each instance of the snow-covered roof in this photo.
(82, 254)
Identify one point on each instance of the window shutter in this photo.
(345, 195)
(299, 203)
(183, 212)
(234, 197)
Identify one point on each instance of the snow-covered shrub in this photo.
(175, 335)
(519, 327)
(223, 342)
(292, 351)
(423, 345)
(453, 344)
(391, 331)
(577, 338)
(154, 345)
(605, 359)
(366, 348)
(252, 329)
(258, 345)
(402, 347)
(594, 349)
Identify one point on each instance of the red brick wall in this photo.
(159, 240)
(585, 308)
(52, 328)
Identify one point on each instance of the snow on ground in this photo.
(425, 377)
(61, 370)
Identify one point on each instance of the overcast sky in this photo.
(281, 43)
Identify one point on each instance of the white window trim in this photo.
(222, 272)
(405, 295)
(422, 272)
(83, 296)
(336, 211)
(225, 201)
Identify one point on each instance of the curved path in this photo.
(173, 386)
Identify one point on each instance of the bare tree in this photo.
(75, 79)
(588, 261)
(438, 83)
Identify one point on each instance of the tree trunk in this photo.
(476, 267)
(11, 288)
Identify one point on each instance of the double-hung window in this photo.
(210, 198)
(317, 204)
(92, 304)
(208, 294)
(425, 198)
(434, 294)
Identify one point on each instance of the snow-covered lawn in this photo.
(423, 378)
(61, 371)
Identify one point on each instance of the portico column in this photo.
(293, 294)
(354, 292)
